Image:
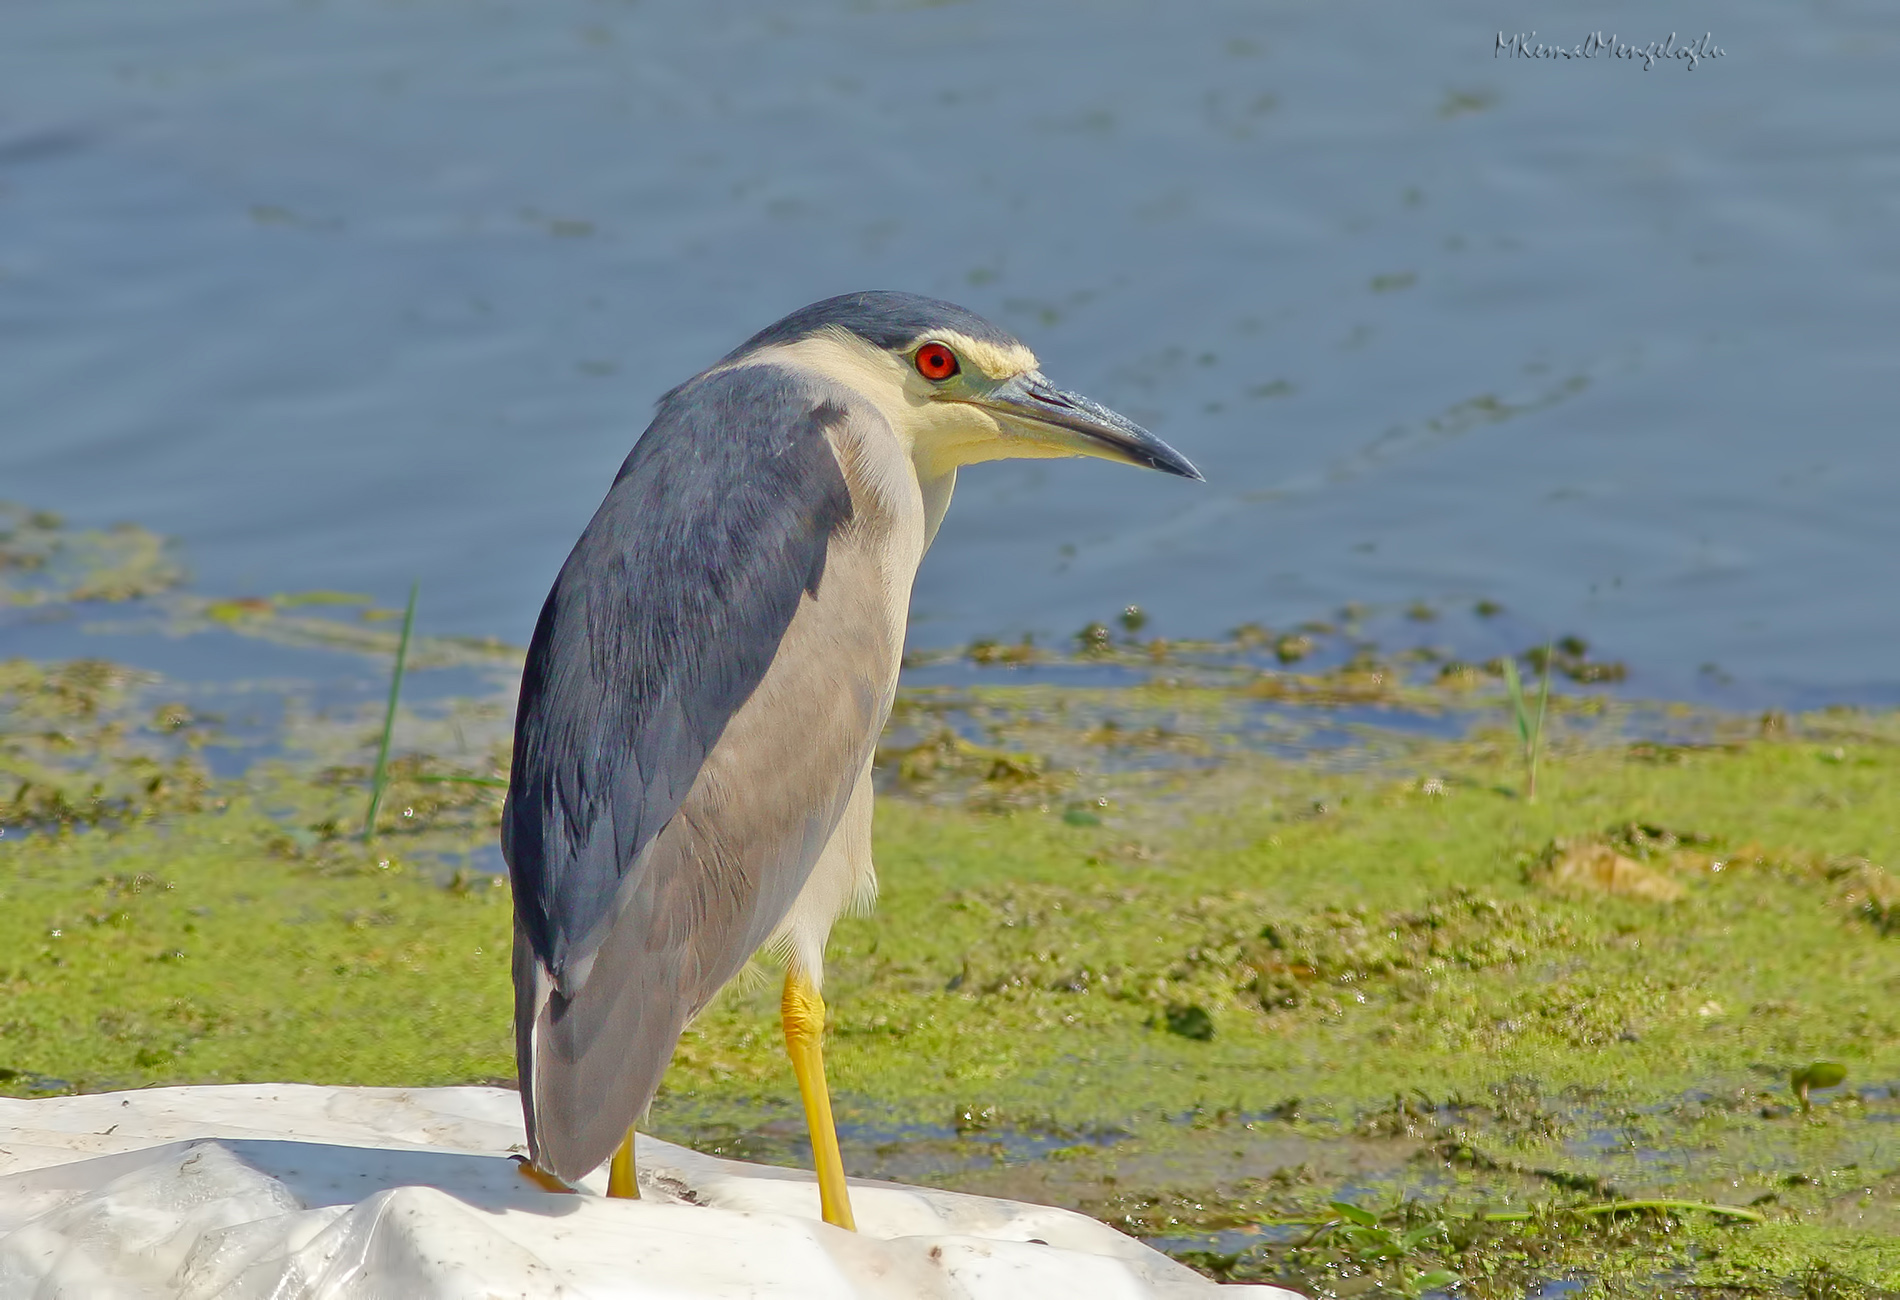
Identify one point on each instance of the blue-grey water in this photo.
(348, 292)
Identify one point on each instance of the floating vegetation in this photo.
(1867, 893)
(986, 779)
(1570, 656)
(1188, 1020)
(81, 745)
(1413, 1246)
(1236, 951)
(1360, 683)
(1589, 1085)
(992, 652)
(1292, 647)
(43, 560)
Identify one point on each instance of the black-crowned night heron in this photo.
(706, 685)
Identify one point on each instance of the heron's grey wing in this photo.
(661, 624)
(721, 876)
(696, 711)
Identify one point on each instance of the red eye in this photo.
(935, 361)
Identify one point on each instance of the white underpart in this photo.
(843, 883)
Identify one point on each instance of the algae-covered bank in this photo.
(1357, 1016)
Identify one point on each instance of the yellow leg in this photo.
(620, 1173)
(803, 1013)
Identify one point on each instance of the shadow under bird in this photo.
(706, 687)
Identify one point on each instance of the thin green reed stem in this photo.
(1537, 731)
(381, 777)
(1525, 1216)
(1516, 689)
(1530, 730)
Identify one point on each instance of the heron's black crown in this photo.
(882, 317)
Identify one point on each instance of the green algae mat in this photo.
(1364, 1019)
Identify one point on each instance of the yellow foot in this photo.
(541, 1178)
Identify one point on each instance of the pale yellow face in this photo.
(939, 431)
(954, 400)
(948, 421)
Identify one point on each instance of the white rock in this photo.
(294, 1192)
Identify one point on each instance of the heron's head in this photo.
(955, 388)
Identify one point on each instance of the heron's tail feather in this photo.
(590, 1063)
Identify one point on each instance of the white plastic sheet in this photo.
(293, 1192)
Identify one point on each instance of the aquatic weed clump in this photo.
(1169, 951)
(1239, 950)
(1459, 929)
(42, 560)
(944, 765)
(1620, 1247)
(82, 745)
(1866, 892)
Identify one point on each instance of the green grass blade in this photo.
(1534, 744)
(1631, 1207)
(1354, 1214)
(1515, 686)
(380, 778)
(1704, 1207)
